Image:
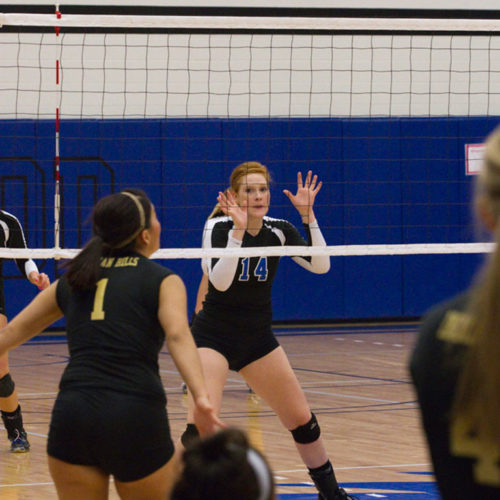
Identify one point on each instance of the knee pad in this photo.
(307, 433)
(189, 435)
(6, 386)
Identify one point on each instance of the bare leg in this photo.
(9, 405)
(78, 482)
(10, 402)
(273, 379)
(215, 370)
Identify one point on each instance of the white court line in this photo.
(25, 484)
(24, 394)
(360, 467)
(30, 433)
(38, 434)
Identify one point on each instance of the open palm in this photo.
(307, 190)
(230, 207)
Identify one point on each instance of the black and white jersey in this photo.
(12, 236)
(245, 284)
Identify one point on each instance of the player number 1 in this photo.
(98, 311)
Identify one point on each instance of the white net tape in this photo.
(333, 250)
(251, 23)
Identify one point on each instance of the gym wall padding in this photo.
(386, 181)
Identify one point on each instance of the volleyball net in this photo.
(389, 112)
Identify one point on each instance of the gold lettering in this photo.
(107, 262)
(127, 262)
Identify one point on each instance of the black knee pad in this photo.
(307, 433)
(189, 435)
(6, 386)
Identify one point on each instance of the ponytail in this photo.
(117, 221)
(478, 395)
(83, 270)
(477, 400)
(217, 210)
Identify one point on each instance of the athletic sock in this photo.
(325, 481)
(13, 421)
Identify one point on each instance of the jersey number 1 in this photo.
(98, 311)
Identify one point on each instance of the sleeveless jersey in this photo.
(459, 460)
(114, 336)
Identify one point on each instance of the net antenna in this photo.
(57, 195)
(363, 38)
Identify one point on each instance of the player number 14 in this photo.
(260, 271)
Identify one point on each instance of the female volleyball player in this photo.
(12, 236)
(455, 366)
(109, 418)
(224, 466)
(233, 329)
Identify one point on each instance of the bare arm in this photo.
(33, 319)
(172, 313)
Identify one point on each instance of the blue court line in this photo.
(296, 330)
(48, 339)
(424, 490)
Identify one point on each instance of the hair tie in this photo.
(142, 220)
(261, 470)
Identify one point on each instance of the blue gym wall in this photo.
(387, 181)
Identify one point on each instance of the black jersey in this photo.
(114, 335)
(435, 366)
(12, 236)
(252, 278)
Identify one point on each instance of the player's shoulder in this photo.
(457, 303)
(451, 313)
(275, 223)
(219, 222)
(154, 267)
(8, 217)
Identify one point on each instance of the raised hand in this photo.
(230, 207)
(303, 200)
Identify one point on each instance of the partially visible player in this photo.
(109, 419)
(12, 236)
(233, 329)
(456, 370)
(224, 466)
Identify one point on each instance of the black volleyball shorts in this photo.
(125, 436)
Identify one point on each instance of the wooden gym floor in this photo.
(356, 381)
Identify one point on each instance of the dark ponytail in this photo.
(117, 220)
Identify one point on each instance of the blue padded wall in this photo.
(386, 181)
